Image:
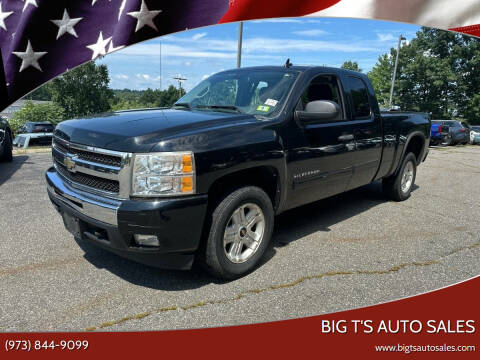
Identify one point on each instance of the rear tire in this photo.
(447, 141)
(240, 231)
(399, 186)
(7, 155)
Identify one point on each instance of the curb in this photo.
(31, 151)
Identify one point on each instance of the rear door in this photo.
(366, 126)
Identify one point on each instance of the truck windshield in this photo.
(254, 92)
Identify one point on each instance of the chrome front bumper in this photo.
(96, 207)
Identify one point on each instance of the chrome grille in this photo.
(105, 159)
(110, 186)
(92, 169)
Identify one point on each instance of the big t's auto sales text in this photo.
(398, 326)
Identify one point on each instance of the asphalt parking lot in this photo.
(353, 250)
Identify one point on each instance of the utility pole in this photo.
(160, 66)
(400, 39)
(240, 39)
(180, 79)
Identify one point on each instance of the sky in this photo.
(196, 54)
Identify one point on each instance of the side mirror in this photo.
(319, 111)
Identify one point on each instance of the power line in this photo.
(180, 79)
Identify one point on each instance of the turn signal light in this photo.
(187, 184)
(187, 163)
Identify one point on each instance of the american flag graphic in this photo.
(41, 39)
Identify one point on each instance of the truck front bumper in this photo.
(112, 224)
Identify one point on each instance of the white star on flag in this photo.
(29, 57)
(3, 16)
(145, 17)
(112, 49)
(30, 2)
(66, 25)
(99, 47)
(94, 1)
(122, 7)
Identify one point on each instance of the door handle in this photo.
(348, 137)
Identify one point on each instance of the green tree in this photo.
(380, 76)
(42, 93)
(150, 97)
(136, 99)
(472, 110)
(83, 91)
(170, 96)
(35, 113)
(127, 105)
(351, 65)
(438, 72)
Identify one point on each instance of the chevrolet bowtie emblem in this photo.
(69, 163)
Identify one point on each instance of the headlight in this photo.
(163, 174)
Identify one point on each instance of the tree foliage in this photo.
(438, 72)
(351, 65)
(82, 91)
(36, 112)
(134, 99)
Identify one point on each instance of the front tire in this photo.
(7, 155)
(240, 231)
(399, 187)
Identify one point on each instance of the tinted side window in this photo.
(359, 93)
(43, 128)
(322, 87)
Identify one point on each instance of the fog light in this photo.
(146, 240)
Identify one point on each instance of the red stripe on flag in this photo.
(469, 30)
(259, 9)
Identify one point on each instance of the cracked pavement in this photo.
(349, 251)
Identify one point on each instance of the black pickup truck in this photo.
(205, 179)
(6, 140)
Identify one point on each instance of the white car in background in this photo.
(475, 134)
(31, 139)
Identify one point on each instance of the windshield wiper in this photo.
(219, 107)
(187, 105)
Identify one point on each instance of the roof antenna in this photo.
(288, 64)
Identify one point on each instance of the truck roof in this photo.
(299, 68)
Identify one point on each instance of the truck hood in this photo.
(141, 130)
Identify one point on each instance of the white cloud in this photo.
(199, 36)
(284, 45)
(279, 20)
(137, 81)
(385, 37)
(312, 32)
(192, 52)
(177, 46)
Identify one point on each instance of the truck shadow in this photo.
(8, 169)
(143, 275)
(289, 227)
(321, 215)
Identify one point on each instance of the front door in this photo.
(320, 155)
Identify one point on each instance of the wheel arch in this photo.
(266, 177)
(415, 143)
